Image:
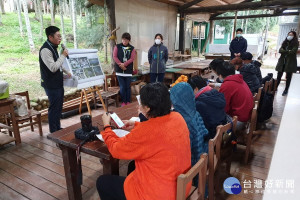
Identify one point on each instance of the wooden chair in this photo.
(257, 96)
(183, 179)
(111, 90)
(215, 157)
(251, 130)
(33, 117)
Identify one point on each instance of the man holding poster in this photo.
(52, 75)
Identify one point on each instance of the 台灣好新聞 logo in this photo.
(232, 185)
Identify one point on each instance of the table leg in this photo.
(111, 166)
(70, 166)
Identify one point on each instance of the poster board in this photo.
(84, 64)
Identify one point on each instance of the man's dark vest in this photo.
(49, 79)
(129, 68)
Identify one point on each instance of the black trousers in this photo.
(111, 187)
(56, 100)
(288, 79)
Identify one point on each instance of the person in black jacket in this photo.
(209, 103)
(238, 45)
(247, 58)
(51, 70)
(248, 70)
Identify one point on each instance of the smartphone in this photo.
(138, 97)
(117, 120)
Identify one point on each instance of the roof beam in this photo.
(245, 6)
(189, 4)
(256, 16)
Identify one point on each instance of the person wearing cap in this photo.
(247, 58)
(248, 70)
(238, 45)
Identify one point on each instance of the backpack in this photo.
(265, 109)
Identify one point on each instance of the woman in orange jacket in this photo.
(160, 147)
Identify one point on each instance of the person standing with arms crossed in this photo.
(157, 57)
(288, 59)
(52, 75)
(238, 45)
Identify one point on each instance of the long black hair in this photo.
(294, 42)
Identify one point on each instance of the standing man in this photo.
(238, 45)
(52, 75)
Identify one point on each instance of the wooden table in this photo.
(187, 72)
(6, 107)
(194, 66)
(169, 74)
(285, 162)
(67, 142)
(215, 56)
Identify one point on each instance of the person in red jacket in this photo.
(239, 99)
(160, 147)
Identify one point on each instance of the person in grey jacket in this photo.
(157, 57)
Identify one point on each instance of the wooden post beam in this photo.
(256, 16)
(272, 4)
(189, 4)
(182, 32)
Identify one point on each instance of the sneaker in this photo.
(123, 104)
(127, 103)
(284, 93)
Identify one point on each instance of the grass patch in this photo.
(18, 66)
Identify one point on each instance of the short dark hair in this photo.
(215, 63)
(246, 56)
(126, 36)
(51, 30)
(239, 29)
(157, 97)
(197, 82)
(160, 35)
(226, 69)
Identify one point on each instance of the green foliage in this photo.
(254, 25)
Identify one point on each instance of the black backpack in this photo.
(265, 109)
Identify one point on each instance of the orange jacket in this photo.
(161, 150)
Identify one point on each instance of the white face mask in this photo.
(157, 41)
(289, 38)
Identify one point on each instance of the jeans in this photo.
(288, 79)
(56, 99)
(125, 90)
(111, 187)
(154, 77)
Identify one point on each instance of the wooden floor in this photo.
(34, 169)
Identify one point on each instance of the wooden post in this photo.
(234, 25)
(110, 4)
(211, 31)
(199, 40)
(298, 28)
(181, 32)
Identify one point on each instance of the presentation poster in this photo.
(85, 65)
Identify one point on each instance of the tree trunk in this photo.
(44, 7)
(1, 24)
(80, 13)
(41, 19)
(246, 23)
(2, 6)
(70, 12)
(20, 17)
(36, 12)
(60, 2)
(74, 23)
(112, 25)
(105, 34)
(28, 27)
(52, 12)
